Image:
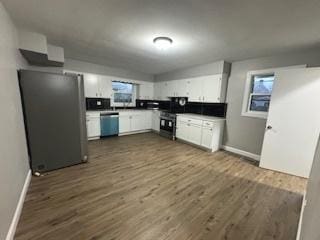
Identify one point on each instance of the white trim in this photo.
(304, 203)
(241, 152)
(247, 91)
(17, 213)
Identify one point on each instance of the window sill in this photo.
(255, 115)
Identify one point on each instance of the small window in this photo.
(260, 94)
(123, 92)
(258, 90)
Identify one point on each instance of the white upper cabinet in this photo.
(146, 91)
(194, 90)
(211, 88)
(207, 88)
(97, 86)
(91, 85)
(158, 90)
(105, 85)
(180, 88)
(167, 90)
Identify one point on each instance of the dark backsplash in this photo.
(210, 109)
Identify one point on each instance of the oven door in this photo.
(167, 127)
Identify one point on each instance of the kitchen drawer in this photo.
(183, 119)
(190, 120)
(195, 121)
(207, 124)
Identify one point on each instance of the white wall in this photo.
(13, 150)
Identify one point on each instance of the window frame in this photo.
(124, 104)
(246, 112)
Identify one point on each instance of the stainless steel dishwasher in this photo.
(109, 124)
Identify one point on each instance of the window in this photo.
(258, 90)
(122, 92)
(260, 94)
(257, 94)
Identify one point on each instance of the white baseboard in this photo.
(304, 202)
(134, 132)
(17, 213)
(241, 152)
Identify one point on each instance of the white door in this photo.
(93, 127)
(105, 85)
(206, 138)
(293, 123)
(91, 85)
(194, 90)
(194, 134)
(124, 123)
(211, 88)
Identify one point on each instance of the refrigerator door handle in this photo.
(83, 125)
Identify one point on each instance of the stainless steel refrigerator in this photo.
(54, 114)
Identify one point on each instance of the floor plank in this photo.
(146, 187)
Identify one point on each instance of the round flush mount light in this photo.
(162, 43)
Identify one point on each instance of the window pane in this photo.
(262, 84)
(122, 92)
(260, 103)
(122, 97)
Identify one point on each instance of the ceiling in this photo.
(119, 33)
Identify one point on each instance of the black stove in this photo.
(168, 124)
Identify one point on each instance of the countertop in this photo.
(201, 117)
(118, 111)
(191, 115)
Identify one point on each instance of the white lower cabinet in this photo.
(137, 122)
(194, 134)
(134, 121)
(93, 126)
(206, 138)
(202, 132)
(156, 120)
(124, 123)
(147, 120)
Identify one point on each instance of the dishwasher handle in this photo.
(109, 114)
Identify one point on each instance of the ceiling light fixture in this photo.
(162, 43)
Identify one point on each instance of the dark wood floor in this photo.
(145, 187)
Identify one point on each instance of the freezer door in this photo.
(55, 122)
